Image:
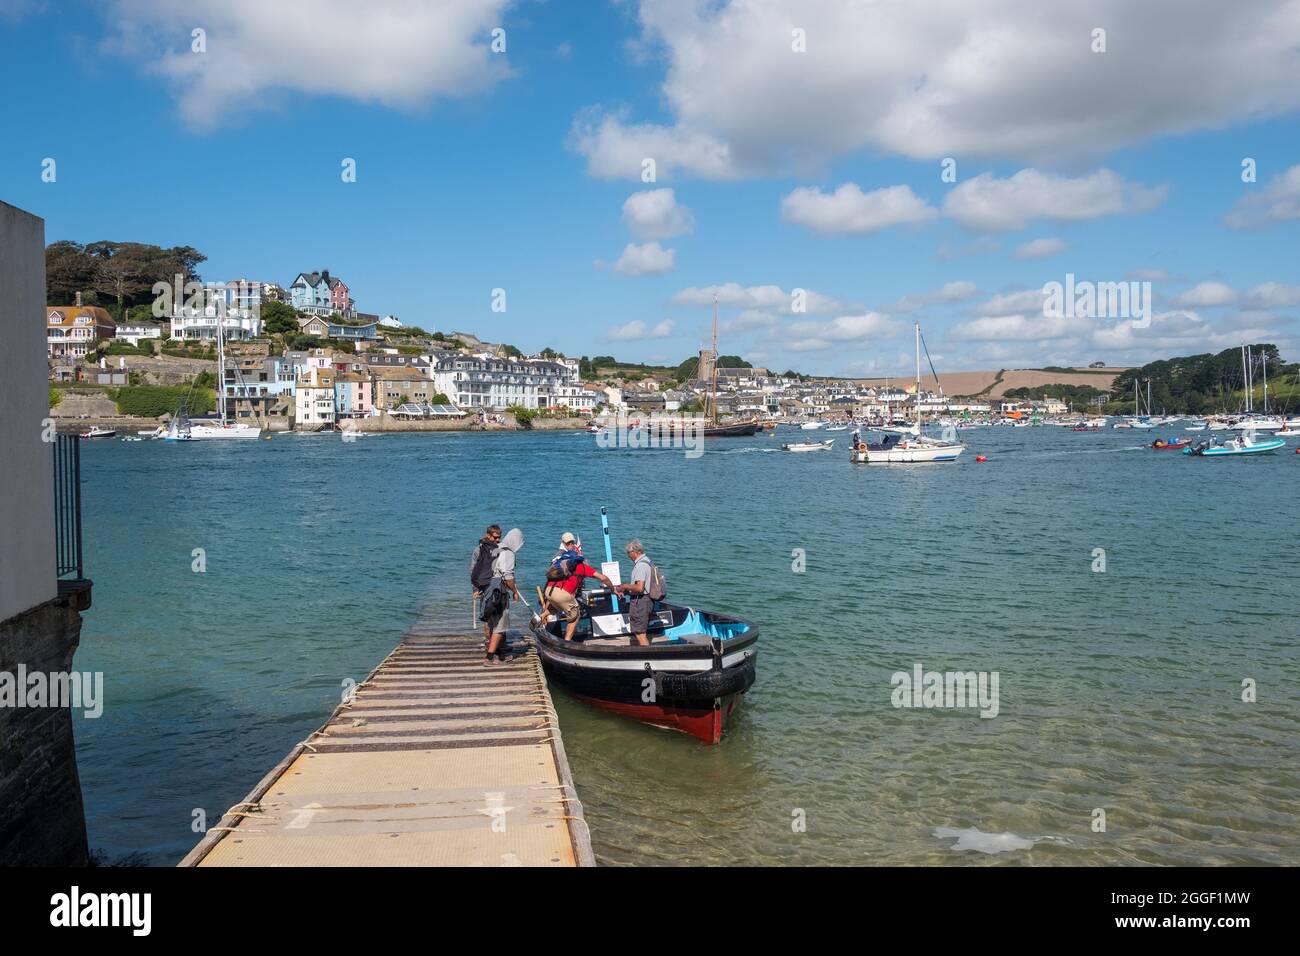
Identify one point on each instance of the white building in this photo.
(392, 322)
(314, 398)
(195, 323)
(481, 380)
(134, 332)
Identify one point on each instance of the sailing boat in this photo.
(913, 448)
(712, 429)
(1254, 422)
(220, 428)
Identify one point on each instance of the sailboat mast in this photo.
(221, 361)
(918, 379)
(713, 382)
(1263, 358)
(1245, 377)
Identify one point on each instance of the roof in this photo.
(70, 313)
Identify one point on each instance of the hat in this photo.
(568, 538)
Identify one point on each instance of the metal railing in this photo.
(67, 505)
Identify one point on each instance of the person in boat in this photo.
(561, 589)
(500, 592)
(639, 591)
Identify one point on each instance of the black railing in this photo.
(67, 505)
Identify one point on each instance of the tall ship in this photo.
(913, 446)
(713, 428)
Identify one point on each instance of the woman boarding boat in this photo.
(690, 674)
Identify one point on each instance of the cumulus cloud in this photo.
(638, 331)
(1041, 249)
(814, 336)
(400, 53)
(1278, 201)
(958, 291)
(1274, 295)
(1207, 294)
(752, 319)
(1014, 303)
(850, 211)
(656, 214)
(1017, 81)
(642, 259)
(770, 297)
(988, 203)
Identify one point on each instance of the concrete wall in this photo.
(27, 559)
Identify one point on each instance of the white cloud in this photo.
(1206, 294)
(656, 214)
(1014, 303)
(1041, 249)
(1016, 79)
(811, 336)
(769, 297)
(988, 203)
(851, 211)
(1279, 201)
(643, 259)
(1274, 295)
(616, 150)
(1035, 327)
(400, 53)
(958, 291)
(638, 331)
(752, 319)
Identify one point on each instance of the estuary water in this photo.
(1127, 599)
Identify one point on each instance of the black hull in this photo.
(743, 430)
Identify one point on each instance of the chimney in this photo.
(78, 300)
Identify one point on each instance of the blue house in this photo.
(311, 293)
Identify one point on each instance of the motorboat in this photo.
(1245, 445)
(1161, 445)
(810, 445)
(811, 426)
(896, 449)
(97, 432)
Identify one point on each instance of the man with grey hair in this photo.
(645, 587)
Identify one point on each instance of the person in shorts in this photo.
(563, 595)
(637, 591)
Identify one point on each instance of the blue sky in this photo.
(814, 169)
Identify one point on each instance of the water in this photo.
(1118, 690)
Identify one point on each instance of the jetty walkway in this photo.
(436, 760)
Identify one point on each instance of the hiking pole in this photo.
(609, 553)
(537, 618)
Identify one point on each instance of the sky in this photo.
(833, 170)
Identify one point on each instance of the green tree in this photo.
(279, 318)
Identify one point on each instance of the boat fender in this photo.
(981, 458)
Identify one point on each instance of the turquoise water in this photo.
(1118, 690)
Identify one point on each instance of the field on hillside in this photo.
(975, 383)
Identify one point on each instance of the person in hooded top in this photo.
(503, 582)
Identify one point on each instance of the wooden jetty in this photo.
(436, 760)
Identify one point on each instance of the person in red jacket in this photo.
(563, 595)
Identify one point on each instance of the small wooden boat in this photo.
(1161, 445)
(1086, 428)
(809, 445)
(690, 677)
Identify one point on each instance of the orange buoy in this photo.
(985, 457)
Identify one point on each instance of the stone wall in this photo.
(42, 819)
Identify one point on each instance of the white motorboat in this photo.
(97, 432)
(809, 426)
(205, 430)
(810, 445)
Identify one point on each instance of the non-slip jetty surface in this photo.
(436, 761)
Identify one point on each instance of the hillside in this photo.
(989, 385)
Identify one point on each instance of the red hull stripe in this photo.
(704, 724)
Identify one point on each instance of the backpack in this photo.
(564, 566)
(480, 574)
(494, 605)
(657, 589)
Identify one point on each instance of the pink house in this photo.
(339, 297)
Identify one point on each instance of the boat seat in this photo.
(693, 638)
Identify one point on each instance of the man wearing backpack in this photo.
(564, 578)
(646, 587)
(480, 566)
